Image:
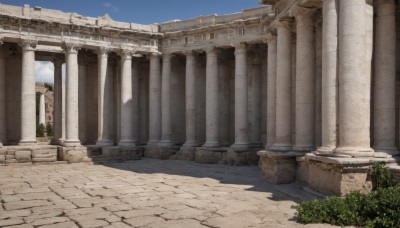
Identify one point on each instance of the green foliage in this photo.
(49, 129)
(379, 208)
(381, 176)
(40, 130)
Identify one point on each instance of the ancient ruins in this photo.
(307, 89)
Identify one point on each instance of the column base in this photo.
(127, 143)
(242, 157)
(70, 143)
(387, 150)
(211, 144)
(240, 146)
(27, 142)
(185, 153)
(256, 145)
(163, 153)
(325, 151)
(153, 142)
(104, 143)
(165, 143)
(353, 152)
(191, 144)
(281, 147)
(303, 149)
(211, 155)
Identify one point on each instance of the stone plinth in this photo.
(75, 154)
(122, 153)
(340, 176)
(278, 167)
(211, 155)
(164, 153)
(302, 173)
(242, 157)
(185, 153)
(25, 154)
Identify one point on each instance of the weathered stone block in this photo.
(131, 153)
(186, 154)
(9, 157)
(302, 169)
(3, 150)
(11, 152)
(163, 153)
(278, 168)
(205, 155)
(2, 158)
(110, 151)
(49, 159)
(242, 157)
(50, 152)
(23, 156)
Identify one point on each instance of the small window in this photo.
(212, 36)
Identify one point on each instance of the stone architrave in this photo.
(72, 95)
(305, 80)
(241, 114)
(283, 137)
(104, 106)
(154, 100)
(166, 124)
(212, 132)
(384, 105)
(3, 119)
(28, 93)
(190, 88)
(354, 84)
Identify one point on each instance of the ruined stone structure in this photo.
(307, 88)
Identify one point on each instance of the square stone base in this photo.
(163, 153)
(242, 157)
(99, 154)
(185, 154)
(28, 154)
(278, 167)
(207, 155)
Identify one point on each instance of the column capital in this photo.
(103, 51)
(269, 38)
(240, 48)
(302, 12)
(28, 44)
(58, 61)
(166, 56)
(188, 52)
(211, 50)
(285, 23)
(71, 47)
(127, 53)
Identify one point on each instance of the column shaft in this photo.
(191, 110)
(82, 103)
(271, 91)
(354, 84)
(42, 109)
(154, 100)
(241, 114)
(305, 81)
(283, 137)
(256, 84)
(72, 93)
(135, 101)
(212, 133)
(166, 131)
(104, 115)
(385, 78)
(28, 94)
(58, 101)
(3, 106)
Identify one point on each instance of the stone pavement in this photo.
(145, 193)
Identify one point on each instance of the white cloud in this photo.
(44, 72)
(114, 9)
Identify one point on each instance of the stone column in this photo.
(212, 98)
(72, 95)
(318, 79)
(3, 104)
(283, 137)
(329, 87)
(58, 100)
(256, 84)
(126, 100)
(271, 91)
(354, 84)
(42, 109)
(166, 125)
(191, 119)
(135, 99)
(241, 117)
(385, 77)
(104, 107)
(305, 80)
(82, 100)
(154, 100)
(28, 93)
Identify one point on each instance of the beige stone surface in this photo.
(145, 193)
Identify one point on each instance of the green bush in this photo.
(380, 208)
(40, 130)
(49, 129)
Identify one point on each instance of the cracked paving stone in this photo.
(26, 204)
(144, 221)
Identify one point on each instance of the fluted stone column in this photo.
(166, 125)
(271, 91)
(28, 93)
(318, 80)
(305, 80)
(212, 133)
(241, 114)
(283, 136)
(385, 77)
(354, 84)
(126, 100)
(154, 100)
(104, 107)
(3, 119)
(329, 102)
(58, 100)
(42, 109)
(72, 95)
(135, 99)
(82, 100)
(256, 104)
(191, 120)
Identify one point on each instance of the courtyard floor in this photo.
(144, 193)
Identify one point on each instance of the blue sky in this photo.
(142, 11)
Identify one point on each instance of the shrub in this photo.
(381, 176)
(49, 129)
(40, 130)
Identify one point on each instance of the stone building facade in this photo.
(305, 88)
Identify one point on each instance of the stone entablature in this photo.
(53, 28)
